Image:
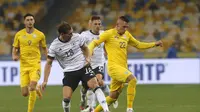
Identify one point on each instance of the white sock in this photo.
(66, 105)
(91, 98)
(105, 89)
(83, 94)
(101, 99)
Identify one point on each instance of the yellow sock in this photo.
(131, 90)
(31, 101)
(109, 101)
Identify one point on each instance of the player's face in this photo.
(29, 21)
(121, 26)
(96, 25)
(67, 36)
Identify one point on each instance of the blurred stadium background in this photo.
(172, 21)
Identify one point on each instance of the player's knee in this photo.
(66, 101)
(32, 88)
(92, 83)
(25, 94)
(115, 94)
(133, 81)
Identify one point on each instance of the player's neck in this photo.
(29, 30)
(94, 32)
(62, 39)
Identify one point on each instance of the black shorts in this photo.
(73, 78)
(99, 70)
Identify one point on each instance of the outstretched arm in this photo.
(143, 45)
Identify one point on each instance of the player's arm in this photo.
(143, 45)
(47, 70)
(44, 46)
(102, 38)
(15, 49)
(45, 51)
(86, 52)
(15, 53)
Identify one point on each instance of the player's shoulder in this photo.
(85, 32)
(76, 36)
(101, 31)
(54, 43)
(21, 32)
(108, 32)
(38, 32)
(127, 33)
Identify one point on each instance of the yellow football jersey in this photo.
(29, 45)
(116, 46)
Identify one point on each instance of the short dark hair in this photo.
(124, 18)
(64, 27)
(95, 17)
(28, 14)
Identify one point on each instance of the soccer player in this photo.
(97, 63)
(116, 41)
(26, 47)
(72, 54)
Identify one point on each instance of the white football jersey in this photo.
(69, 54)
(98, 58)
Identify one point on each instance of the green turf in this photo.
(149, 98)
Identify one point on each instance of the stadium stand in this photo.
(11, 19)
(170, 20)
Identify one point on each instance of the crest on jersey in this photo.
(116, 37)
(24, 36)
(34, 36)
(29, 42)
(124, 36)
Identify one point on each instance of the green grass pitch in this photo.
(149, 98)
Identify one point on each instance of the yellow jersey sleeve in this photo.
(102, 38)
(16, 40)
(43, 41)
(140, 45)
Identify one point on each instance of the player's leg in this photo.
(115, 90)
(90, 81)
(70, 83)
(34, 75)
(67, 93)
(24, 82)
(118, 75)
(32, 96)
(83, 92)
(131, 91)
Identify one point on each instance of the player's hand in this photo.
(15, 57)
(44, 84)
(88, 60)
(100, 82)
(159, 43)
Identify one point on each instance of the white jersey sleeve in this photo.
(98, 58)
